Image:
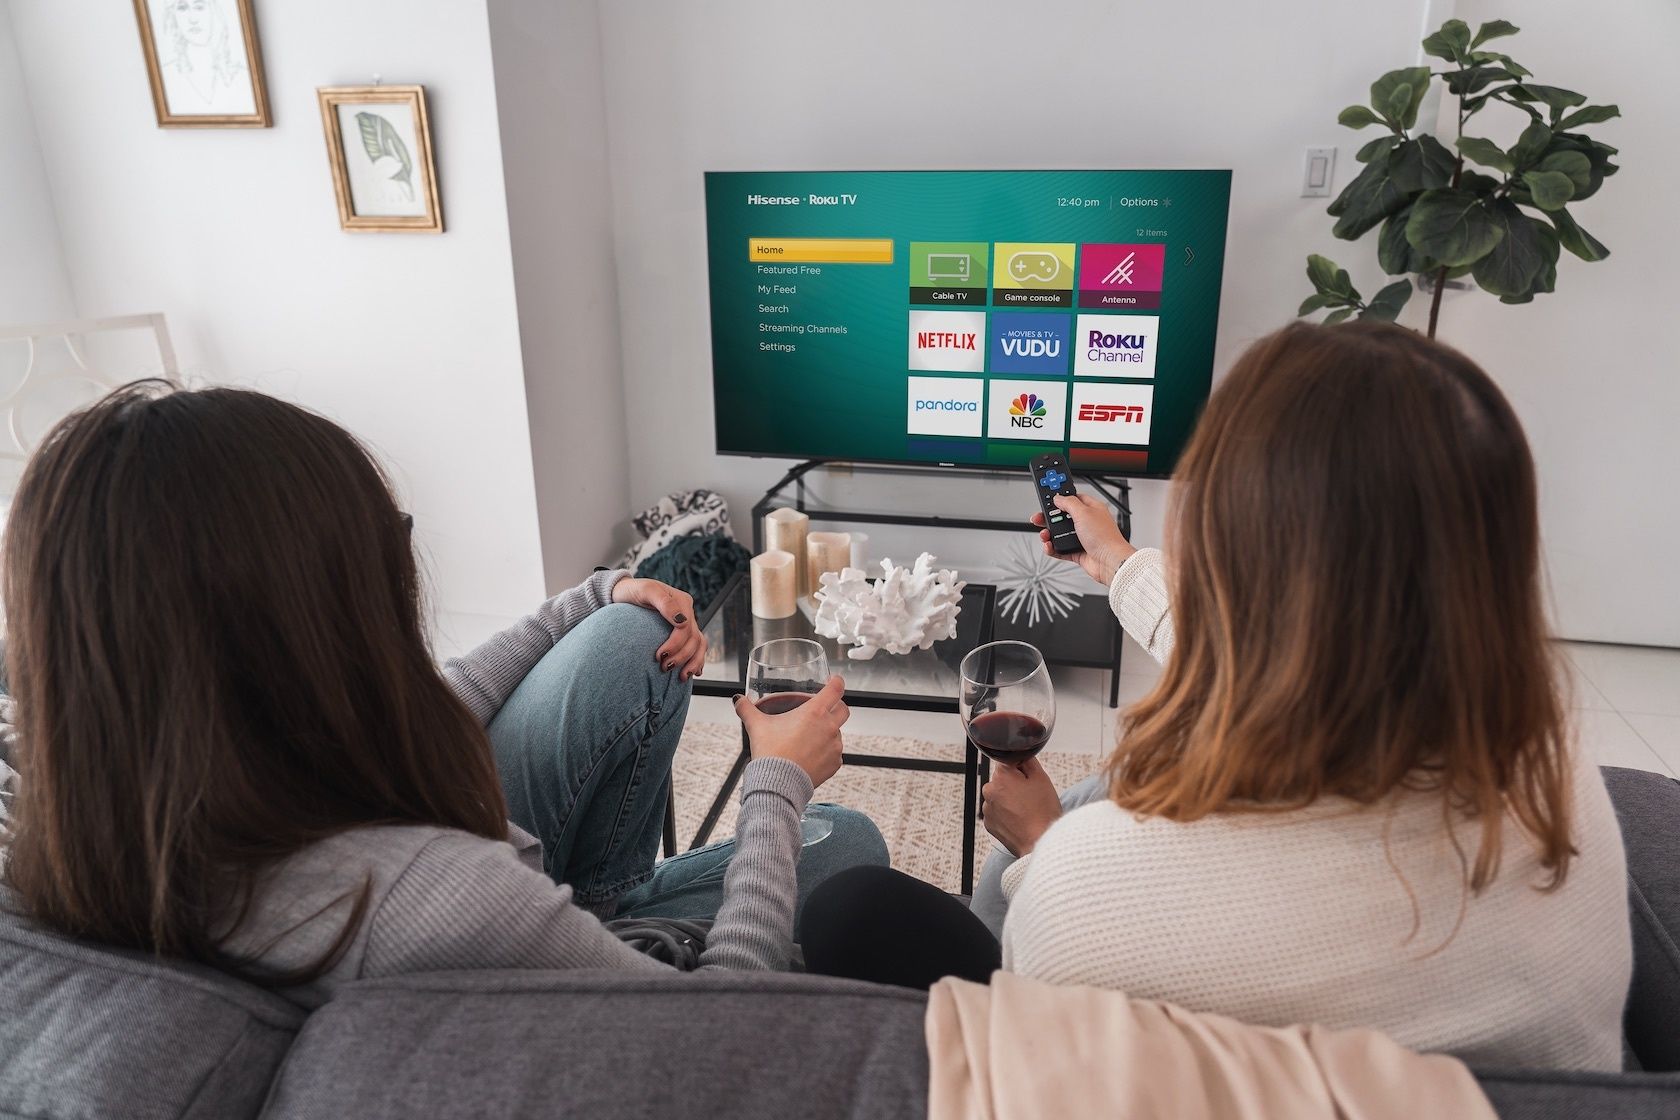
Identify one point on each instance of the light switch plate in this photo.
(1318, 172)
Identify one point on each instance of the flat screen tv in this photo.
(971, 318)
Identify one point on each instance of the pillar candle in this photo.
(827, 552)
(785, 530)
(860, 550)
(770, 629)
(773, 590)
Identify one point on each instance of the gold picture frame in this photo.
(204, 63)
(374, 175)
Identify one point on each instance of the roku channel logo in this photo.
(1116, 345)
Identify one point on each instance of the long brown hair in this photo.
(217, 655)
(1355, 584)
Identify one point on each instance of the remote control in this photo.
(1050, 477)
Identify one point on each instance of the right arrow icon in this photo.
(1188, 256)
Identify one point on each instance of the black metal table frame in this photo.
(1118, 497)
(975, 768)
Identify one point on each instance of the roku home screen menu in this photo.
(965, 317)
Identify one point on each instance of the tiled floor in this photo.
(1626, 702)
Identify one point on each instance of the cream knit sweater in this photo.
(1334, 914)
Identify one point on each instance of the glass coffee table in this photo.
(924, 680)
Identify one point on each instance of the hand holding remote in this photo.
(1104, 547)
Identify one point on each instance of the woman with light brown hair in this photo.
(1352, 799)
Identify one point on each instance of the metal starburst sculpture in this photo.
(1035, 585)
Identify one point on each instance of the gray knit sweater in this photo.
(444, 899)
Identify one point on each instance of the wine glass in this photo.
(782, 674)
(1007, 703)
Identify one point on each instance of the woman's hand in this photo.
(1105, 548)
(808, 736)
(1020, 803)
(685, 649)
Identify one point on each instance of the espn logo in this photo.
(1107, 413)
(1115, 415)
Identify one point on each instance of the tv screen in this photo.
(964, 317)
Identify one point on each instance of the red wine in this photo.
(778, 702)
(1008, 737)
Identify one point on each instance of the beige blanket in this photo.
(1024, 1050)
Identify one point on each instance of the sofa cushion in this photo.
(90, 1033)
(602, 1044)
(1535, 1095)
(1648, 807)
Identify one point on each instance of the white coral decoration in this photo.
(906, 609)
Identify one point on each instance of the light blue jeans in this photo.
(988, 903)
(584, 748)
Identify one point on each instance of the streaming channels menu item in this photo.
(1104, 412)
(949, 341)
(1025, 342)
(1115, 345)
(1121, 276)
(1026, 410)
(1032, 274)
(946, 406)
(948, 272)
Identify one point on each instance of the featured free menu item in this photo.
(964, 317)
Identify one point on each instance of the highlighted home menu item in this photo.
(821, 250)
(948, 272)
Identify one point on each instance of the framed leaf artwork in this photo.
(204, 63)
(379, 144)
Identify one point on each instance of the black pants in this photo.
(874, 923)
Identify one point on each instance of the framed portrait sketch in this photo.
(379, 143)
(204, 63)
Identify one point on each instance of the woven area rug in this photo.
(919, 814)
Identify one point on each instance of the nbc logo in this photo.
(1026, 409)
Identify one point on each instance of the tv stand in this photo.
(1089, 637)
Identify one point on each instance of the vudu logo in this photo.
(1025, 342)
(1032, 347)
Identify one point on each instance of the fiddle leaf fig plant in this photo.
(1499, 215)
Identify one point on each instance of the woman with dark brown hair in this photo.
(1352, 799)
(235, 748)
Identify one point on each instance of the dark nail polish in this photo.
(681, 618)
(736, 699)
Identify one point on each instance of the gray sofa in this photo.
(92, 1033)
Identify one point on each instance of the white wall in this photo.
(33, 285)
(554, 159)
(745, 84)
(1594, 368)
(409, 340)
